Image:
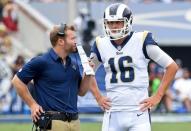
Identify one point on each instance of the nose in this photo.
(75, 40)
(113, 25)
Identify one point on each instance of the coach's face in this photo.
(70, 41)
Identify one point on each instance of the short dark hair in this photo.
(59, 31)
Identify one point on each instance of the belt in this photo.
(64, 116)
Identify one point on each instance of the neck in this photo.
(119, 41)
(61, 53)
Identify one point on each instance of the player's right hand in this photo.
(91, 63)
(36, 110)
(104, 103)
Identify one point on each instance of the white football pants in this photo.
(126, 121)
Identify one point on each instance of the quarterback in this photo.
(125, 55)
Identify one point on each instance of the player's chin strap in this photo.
(84, 60)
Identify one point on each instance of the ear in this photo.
(61, 42)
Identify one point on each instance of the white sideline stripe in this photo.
(98, 117)
(154, 118)
(171, 118)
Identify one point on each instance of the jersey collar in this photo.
(119, 47)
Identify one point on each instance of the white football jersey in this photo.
(126, 78)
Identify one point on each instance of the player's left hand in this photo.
(150, 102)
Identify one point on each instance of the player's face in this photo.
(113, 25)
(70, 41)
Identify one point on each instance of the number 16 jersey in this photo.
(126, 65)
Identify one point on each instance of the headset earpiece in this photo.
(62, 29)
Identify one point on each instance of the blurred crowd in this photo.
(178, 97)
(125, 1)
(8, 15)
(86, 29)
(8, 26)
(10, 63)
(152, 1)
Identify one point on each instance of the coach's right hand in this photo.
(36, 110)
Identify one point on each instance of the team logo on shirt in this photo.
(119, 48)
(20, 70)
(74, 67)
(119, 53)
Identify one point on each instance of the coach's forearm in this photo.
(95, 90)
(23, 91)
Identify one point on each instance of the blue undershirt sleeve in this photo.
(95, 50)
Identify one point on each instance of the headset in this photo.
(44, 123)
(61, 31)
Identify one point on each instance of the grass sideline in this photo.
(97, 126)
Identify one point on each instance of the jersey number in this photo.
(123, 69)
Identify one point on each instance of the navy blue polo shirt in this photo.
(55, 85)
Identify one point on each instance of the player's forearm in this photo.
(167, 79)
(95, 90)
(85, 84)
(23, 91)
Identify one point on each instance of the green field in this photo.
(97, 127)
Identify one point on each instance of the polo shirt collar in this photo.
(53, 54)
(57, 58)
